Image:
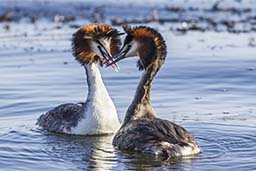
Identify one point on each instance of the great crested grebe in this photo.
(91, 44)
(141, 130)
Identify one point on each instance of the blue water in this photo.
(207, 85)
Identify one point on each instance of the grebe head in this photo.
(95, 43)
(144, 42)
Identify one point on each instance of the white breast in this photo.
(100, 115)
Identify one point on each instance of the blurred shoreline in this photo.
(235, 16)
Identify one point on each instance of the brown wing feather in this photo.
(144, 134)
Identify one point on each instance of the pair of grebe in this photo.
(141, 131)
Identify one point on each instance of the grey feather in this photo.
(61, 118)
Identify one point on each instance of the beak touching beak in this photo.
(108, 58)
(121, 55)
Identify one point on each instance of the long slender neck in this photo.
(141, 106)
(96, 87)
(98, 113)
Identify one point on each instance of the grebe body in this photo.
(141, 130)
(92, 44)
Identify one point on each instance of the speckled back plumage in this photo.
(62, 118)
(154, 135)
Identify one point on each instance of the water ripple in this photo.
(210, 92)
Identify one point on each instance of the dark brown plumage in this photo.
(151, 44)
(141, 130)
(152, 135)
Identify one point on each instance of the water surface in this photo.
(207, 85)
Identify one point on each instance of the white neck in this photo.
(100, 116)
(95, 83)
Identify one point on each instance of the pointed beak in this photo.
(108, 58)
(121, 55)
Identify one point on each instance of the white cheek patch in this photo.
(95, 48)
(133, 51)
(87, 37)
(106, 44)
